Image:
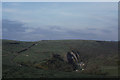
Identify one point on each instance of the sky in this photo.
(33, 21)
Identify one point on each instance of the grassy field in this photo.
(102, 55)
(0, 58)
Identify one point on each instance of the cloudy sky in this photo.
(53, 21)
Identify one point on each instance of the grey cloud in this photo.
(91, 28)
(15, 30)
(12, 26)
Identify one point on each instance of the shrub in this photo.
(55, 63)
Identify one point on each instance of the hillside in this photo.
(23, 59)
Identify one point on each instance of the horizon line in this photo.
(60, 39)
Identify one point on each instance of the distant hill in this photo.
(20, 58)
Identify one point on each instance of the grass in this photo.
(111, 70)
(100, 53)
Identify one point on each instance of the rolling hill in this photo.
(22, 59)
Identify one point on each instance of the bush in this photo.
(55, 63)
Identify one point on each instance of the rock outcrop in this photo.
(56, 62)
(73, 58)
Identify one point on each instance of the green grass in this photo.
(0, 58)
(111, 70)
(103, 54)
(39, 73)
